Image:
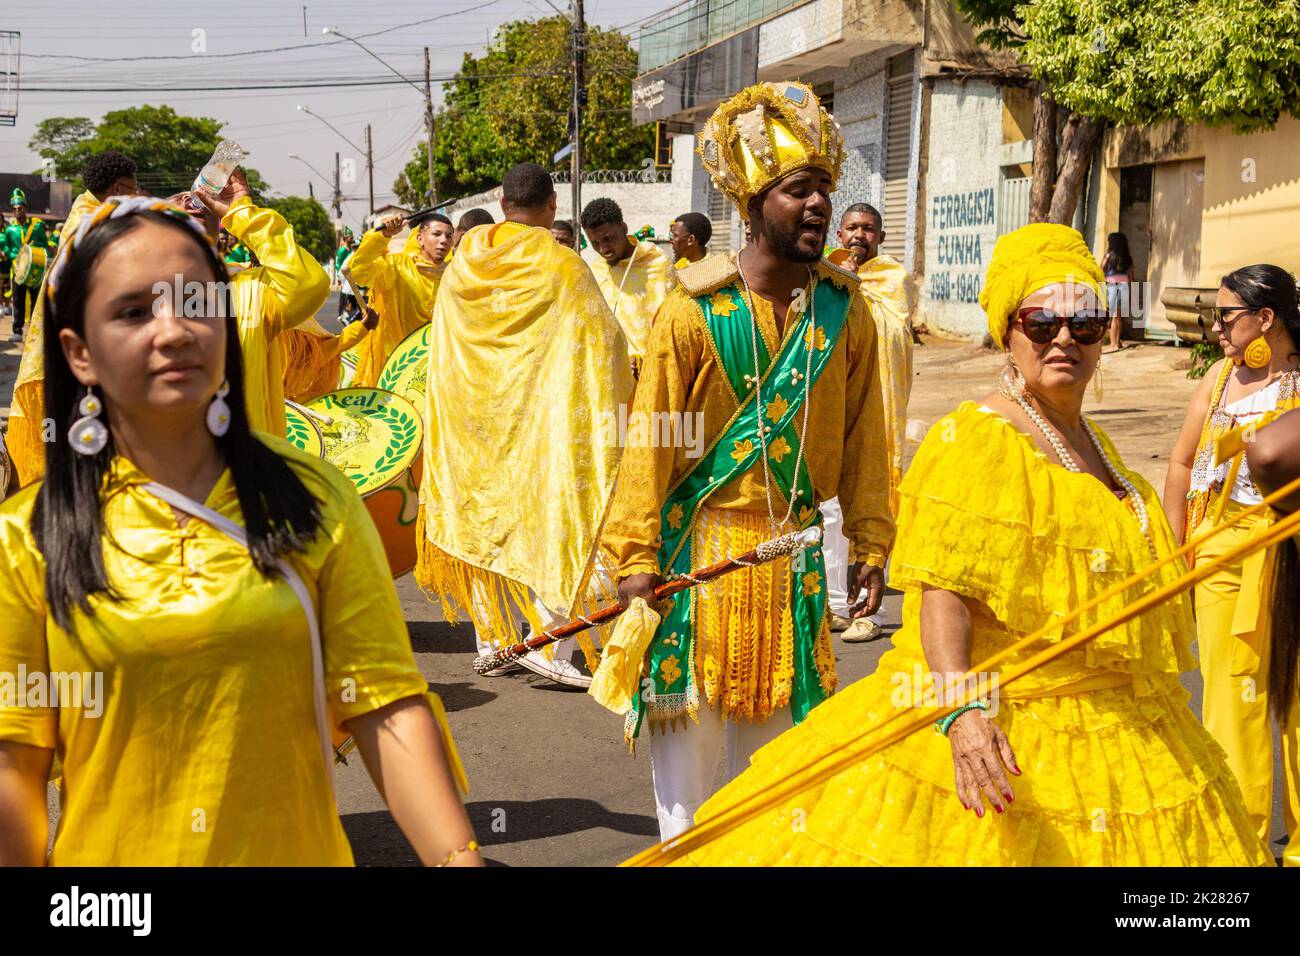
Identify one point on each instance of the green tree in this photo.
(1096, 62)
(311, 224)
(511, 105)
(169, 148)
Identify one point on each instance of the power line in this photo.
(278, 49)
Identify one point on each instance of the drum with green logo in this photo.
(348, 368)
(29, 266)
(301, 430)
(374, 436)
(407, 369)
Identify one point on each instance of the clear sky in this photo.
(265, 122)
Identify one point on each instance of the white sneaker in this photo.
(562, 672)
(504, 669)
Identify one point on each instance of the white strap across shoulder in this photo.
(296, 584)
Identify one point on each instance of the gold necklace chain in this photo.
(758, 397)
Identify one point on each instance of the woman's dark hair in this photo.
(280, 514)
(1284, 649)
(1117, 252)
(1264, 286)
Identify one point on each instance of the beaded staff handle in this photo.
(785, 544)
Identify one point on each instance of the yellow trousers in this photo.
(1232, 631)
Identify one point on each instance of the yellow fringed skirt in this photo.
(1110, 778)
(744, 635)
(487, 598)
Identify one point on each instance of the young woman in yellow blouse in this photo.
(209, 741)
(1014, 511)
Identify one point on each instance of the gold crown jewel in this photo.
(763, 134)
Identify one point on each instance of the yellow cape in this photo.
(635, 289)
(527, 369)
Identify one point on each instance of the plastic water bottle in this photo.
(214, 176)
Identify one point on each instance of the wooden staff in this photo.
(766, 551)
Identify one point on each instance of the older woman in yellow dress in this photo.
(1257, 320)
(1015, 510)
(212, 603)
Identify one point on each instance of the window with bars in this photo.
(663, 146)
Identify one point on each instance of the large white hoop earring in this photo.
(88, 435)
(1011, 383)
(219, 411)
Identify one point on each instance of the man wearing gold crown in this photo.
(774, 352)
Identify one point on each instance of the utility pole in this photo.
(579, 101)
(338, 205)
(370, 166)
(428, 123)
(311, 189)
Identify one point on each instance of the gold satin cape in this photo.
(27, 411)
(402, 287)
(527, 368)
(645, 277)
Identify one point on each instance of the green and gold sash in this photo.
(669, 689)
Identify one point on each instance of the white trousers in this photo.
(835, 552)
(684, 763)
(563, 649)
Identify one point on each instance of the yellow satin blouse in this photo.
(202, 748)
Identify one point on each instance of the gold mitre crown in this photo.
(764, 133)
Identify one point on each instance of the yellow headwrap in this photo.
(1032, 258)
(763, 134)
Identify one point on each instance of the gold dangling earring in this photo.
(1097, 390)
(1258, 354)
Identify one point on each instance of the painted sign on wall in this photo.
(960, 223)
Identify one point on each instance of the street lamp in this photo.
(309, 166)
(307, 110)
(427, 93)
(338, 207)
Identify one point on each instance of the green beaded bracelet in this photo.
(942, 726)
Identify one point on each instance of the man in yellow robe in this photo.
(279, 296)
(891, 295)
(634, 276)
(106, 174)
(773, 352)
(402, 285)
(527, 371)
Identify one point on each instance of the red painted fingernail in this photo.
(1017, 771)
(997, 807)
(979, 812)
(1011, 798)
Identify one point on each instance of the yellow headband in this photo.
(1029, 259)
(763, 134)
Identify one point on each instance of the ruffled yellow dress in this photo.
(1117, 770)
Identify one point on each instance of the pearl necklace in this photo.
(795, 376)
(1067, 460)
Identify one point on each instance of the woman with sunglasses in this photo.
(221, 599)
(1014, 511)
(1257, 321)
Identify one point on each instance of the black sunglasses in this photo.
(1222, 312)
(1043, 325)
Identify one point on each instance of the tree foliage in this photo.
(311, 224)
(511, 105)
(169, 148)
(1094, 62)
(1217, 62)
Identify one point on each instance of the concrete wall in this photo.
(860, 110)
(962, 185)
(643, 204)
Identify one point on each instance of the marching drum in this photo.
(301, 429)
(407, 369)
(29, 266)
(348, 368)
(374, 437)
